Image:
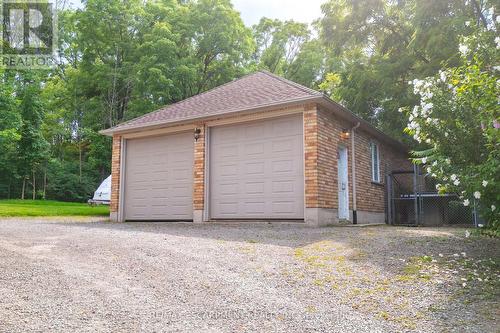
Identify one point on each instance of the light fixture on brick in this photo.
(345, 134)
(197, 133)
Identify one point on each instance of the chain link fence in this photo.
(413, 200)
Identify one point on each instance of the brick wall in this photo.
(330, 130)
(199, 170)
(371, 196)
(311, 152)
(324, 140)
(115, 173)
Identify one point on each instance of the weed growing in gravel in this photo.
(334, 265)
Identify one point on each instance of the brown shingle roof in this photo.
(249, 92)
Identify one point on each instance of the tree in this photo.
(32, 146)
(187, 49)
(377, 46)
(287, 49)
(119, 60)
(222, 45)
(459, 120)
(10, 124)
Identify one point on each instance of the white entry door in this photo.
(343, 184)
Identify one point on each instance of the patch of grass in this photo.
(23, 208)
(480, 276)
(319, 282)
(311, 309)
(414, 269)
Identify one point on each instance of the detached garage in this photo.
(258, 148)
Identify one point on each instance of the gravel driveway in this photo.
(95, 276)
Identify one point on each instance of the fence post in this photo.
(415, 194)
(389, 199)
(474, 213)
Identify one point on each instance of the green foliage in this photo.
(10, 124)
(121, 59)
(286, 48)
(32, 146)
(377, 46)
(459, 119)
(65, 183)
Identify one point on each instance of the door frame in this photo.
(343, 152)
(122, 180)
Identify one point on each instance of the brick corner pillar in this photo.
(199, 176)
(115, 179)
(316, 212)
(311, 165)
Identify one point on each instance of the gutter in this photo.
(353, 166)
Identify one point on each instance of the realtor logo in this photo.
(28, 32)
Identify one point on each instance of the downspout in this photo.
(353, 166)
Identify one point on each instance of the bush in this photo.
(458, 119)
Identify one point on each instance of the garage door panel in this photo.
(254, 149)
(255, 168)
(255, 188)
(254, 208)
(283, 166)
(280, 187)
(228, 208)
(283, 146)
(253, 131)
(159, 178)
(228, 188)
(227, 170)
(260, 174)
(285, 126)
(229, 151)
(283, 207)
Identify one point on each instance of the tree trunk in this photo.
(24, 186)
(45, 184)
(80, 152)
(480, 15)
(34, 185)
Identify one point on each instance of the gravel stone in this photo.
(87, 275)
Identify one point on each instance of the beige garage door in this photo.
(256, 170)
(159, 178)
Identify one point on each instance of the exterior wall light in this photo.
(197, 133)
(345, 134)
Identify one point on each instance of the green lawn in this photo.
(49, 208)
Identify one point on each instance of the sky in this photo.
(251, 11)
(304, 11)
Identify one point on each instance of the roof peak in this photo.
(290, 82)
(255, 89)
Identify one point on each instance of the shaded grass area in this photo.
(13, 208)
(377, 271)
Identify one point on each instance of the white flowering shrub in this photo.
(458, 118)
